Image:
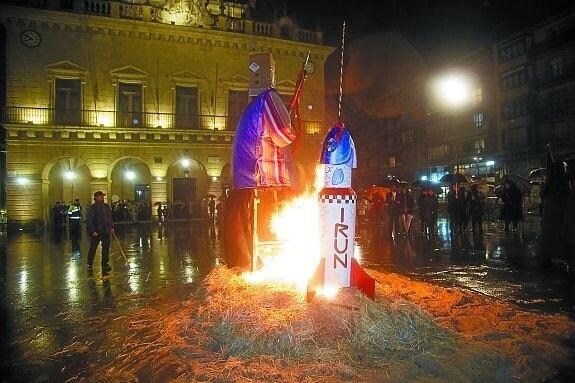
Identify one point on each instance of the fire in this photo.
(296, 254)
(296, 227)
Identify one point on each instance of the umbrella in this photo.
(427, 184)
(455, 178)
(376, 191)
(519, 182)
(537, 176)
(389, 181)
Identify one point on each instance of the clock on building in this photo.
(30, 38)
(310, 67)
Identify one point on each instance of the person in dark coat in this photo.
(430, 205)
(74, 220)
(452, 210)
(476, 203)
(463, 209)
(100, 226)
(554, 195)
(512, 209)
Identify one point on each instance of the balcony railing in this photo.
(145, 11)
(17, 115)
(559, 76)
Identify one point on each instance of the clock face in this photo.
(310, 67)
(30, 38)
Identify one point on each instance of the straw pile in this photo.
(234, 331)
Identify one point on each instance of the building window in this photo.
(437, 152)
(477, 96)
(515, 79)
(186, 107)
(392, 162)
(237, 102)
(407, 137)
(511, 51)
(556, 67)
(515, 137)
(129, 104)
(515, 108)
(478, 120)
(67, 101)
(479, 145)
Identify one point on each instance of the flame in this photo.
(296, 255)
(296, 227)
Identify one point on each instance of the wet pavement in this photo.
(49, 300)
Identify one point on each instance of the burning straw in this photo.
(237, 331)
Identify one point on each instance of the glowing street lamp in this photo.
(453, 90)
(185, 162)
(70, 175)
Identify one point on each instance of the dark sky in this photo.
(432, 26)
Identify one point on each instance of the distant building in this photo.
(138, 99)
(535, 77)
(521, 96)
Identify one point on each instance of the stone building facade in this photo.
(137, 100)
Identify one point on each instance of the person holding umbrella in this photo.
(406, 209)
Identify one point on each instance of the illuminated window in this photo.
(478, 120)
(479, 145)
(129, 104)
(67, 101)
(186, 107)
(477, 96)
(392, 162)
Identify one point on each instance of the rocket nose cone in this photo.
(338, 148)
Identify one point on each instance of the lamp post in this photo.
(452, 92)
(477, 159)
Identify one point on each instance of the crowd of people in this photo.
(466, 207)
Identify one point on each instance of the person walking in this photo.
(406, 210)
(74, 220)
(99, 225)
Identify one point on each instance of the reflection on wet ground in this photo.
(495, 263)
(49, 300)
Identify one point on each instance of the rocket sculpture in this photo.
(337, 208)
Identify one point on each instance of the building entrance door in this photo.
(184, 189)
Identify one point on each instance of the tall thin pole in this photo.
(341, 73)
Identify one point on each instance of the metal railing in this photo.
(19, 115)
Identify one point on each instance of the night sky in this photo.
(434, 27)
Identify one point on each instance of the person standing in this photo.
(512, 200)
(476, 203)
(452, 208)
(100, 227)
(74, 220)
(392, 201)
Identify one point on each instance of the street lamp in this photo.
(453, 90)
(70, 176)
(477, 159)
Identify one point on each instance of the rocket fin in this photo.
(316, 281)
(361, 280)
